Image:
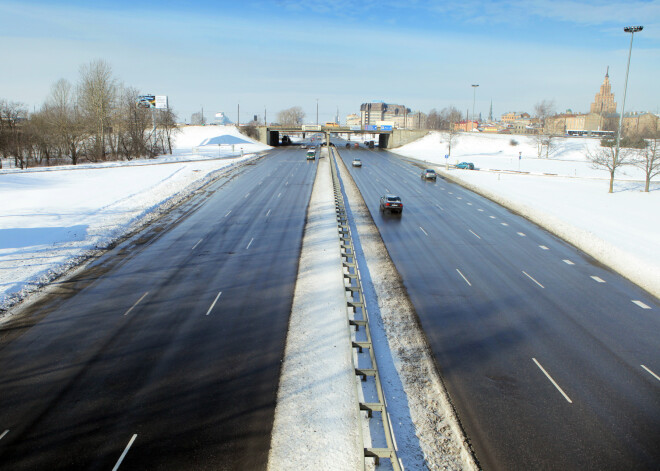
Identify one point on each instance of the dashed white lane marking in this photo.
(544, 247)
(213, 305)
(459, 198)
(553, 381)
(641, 304)
(480, 210)
(598, 279)
(387, 189)
(268, 213)
(279, 194)
(492, 217)
(521, 234)
(248, 245)
(568, 262)
(504, 223)
(247, 195)
(426, 233)
(2, 435)
(463, 276)
(123, 455)
(474, 233)
(469, 204)
(286, 184)
(198, 242)
(440, 207)
(650, 372)
(137, 302)
(228, 212)
(451, 193)
(528, 276)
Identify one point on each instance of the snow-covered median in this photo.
(53, 218)
(563, 194)
(317, 422)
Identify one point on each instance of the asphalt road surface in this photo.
(552, 361)
(165, 353)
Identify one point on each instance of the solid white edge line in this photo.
(530, 277)
(137, 302)
(198, 242)
(640, 304)
(2, 435)
(597, 278)
(389, 419)
(249, 244)
(651, 372)
(123, 455)
(474, 234)
(423, 230)
(553, 381)
(463, 276)
(213, 305)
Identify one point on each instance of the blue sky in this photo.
(276, 54)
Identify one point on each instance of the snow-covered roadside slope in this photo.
(56, 217)
(621, 230)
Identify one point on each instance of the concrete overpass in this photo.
(387, 139)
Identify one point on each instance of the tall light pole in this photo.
(474, 98)
(317, 111)
(632, 30)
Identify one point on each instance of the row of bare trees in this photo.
(97, 119)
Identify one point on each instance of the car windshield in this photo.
(393, 198)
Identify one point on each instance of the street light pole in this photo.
(632, 30)
(474, 98)
(317, 111)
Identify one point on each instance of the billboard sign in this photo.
(146, 101)
(161, 102)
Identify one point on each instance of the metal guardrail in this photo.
(358, 318)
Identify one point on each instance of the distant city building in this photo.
(466, 126)
(512, 116)
(604, 101)
(373, 113)
(642, 123)
(353, 120)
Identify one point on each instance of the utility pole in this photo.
(265, 120)
(474, 99)
(317, 111)
(238, 118)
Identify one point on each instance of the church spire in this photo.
(607, 74)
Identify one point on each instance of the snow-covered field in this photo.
(54, 217)
(564, 194)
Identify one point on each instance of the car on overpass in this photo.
(465, 165)
(429, 174)
(391, 203)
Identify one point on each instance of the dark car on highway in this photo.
(391, 203)
(465, 165)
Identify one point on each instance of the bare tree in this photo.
(97, 94)
(63, 120)
(167, 128)
(197, 119)
(448, 118)
(13, 117)
(291, 117)
(542, 111)
(607, 158)
(648, 159)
